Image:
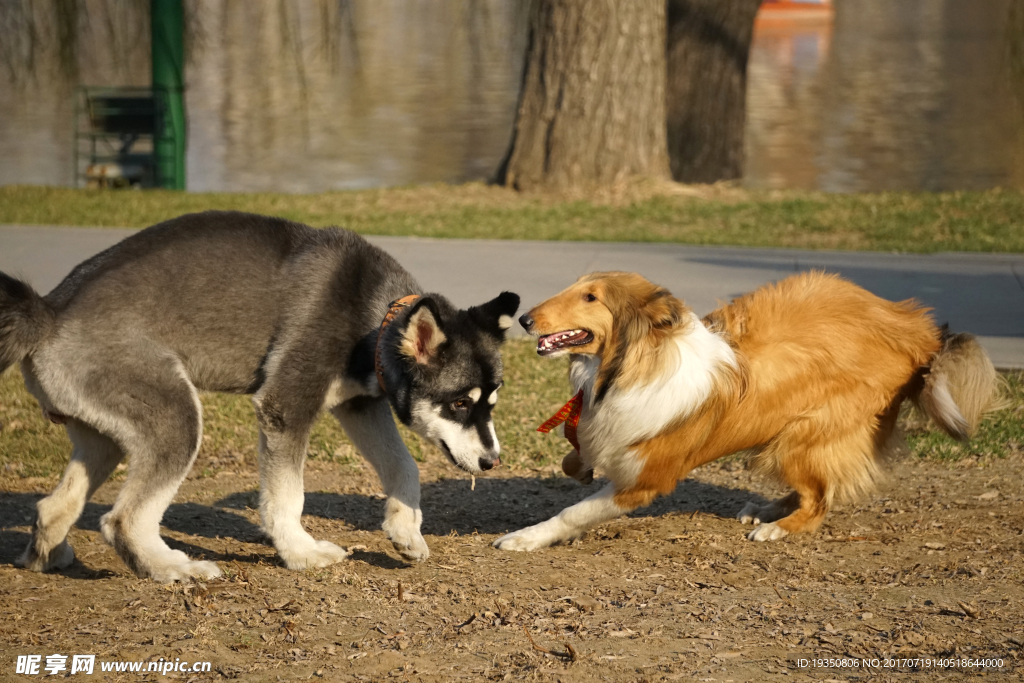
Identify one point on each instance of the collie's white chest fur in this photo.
(628, 416)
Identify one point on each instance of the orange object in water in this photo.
(782, 12)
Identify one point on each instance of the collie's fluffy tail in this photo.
(25, 320)
(961, 385)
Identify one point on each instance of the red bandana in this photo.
(570, 415)
(396, 306)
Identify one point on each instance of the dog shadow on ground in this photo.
(501, 505)
(496, 506)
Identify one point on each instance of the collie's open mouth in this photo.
(551, 343)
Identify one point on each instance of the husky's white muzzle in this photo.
(461, 443)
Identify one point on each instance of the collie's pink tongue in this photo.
(559, 340)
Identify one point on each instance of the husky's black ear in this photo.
(496, 316)
(422, 334)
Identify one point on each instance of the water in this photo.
(307, 95)
(907, 95)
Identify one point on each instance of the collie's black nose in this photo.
(526, 321)
(489, 464)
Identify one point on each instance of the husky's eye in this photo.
(589, 296)
(462, 404)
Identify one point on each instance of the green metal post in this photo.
(167, 23)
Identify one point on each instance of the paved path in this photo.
(978, 293)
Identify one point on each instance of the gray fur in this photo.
(232, 302)
(25, 320)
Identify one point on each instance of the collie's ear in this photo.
(422, 334)
(497, 315)
(662, 309)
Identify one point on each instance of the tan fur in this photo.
(630, 319)
(422, 337)
(963, 376)
(823, 367)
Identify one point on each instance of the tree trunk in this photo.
(708, 46)
(592, 104)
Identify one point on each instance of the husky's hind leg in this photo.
(368, 422)
(158, 415)
(93, 458)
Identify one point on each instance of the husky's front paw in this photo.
(183, 571)
(312, 556)
(408, 540)
(402, 527)
(167, 566)
(412, 549)
(530, 538)
(767, 532)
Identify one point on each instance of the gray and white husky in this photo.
(246, 304)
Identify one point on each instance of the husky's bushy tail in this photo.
(960, 387)
(25, 320)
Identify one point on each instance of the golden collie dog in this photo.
(808, 373)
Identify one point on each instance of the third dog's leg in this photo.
(282, 455)
(372, 429)
(93, 459)
(568, 524)
(755, 514)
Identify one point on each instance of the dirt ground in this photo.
(928, 567)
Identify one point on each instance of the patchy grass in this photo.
(30, 446)
(908, 222)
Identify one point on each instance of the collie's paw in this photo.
(530, 538)
(515, 541)
(767, 532)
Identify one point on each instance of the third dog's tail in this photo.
(25, 320)
(960, 386)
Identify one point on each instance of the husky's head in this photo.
(442, 369)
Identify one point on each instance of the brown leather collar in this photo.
(393, 310)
